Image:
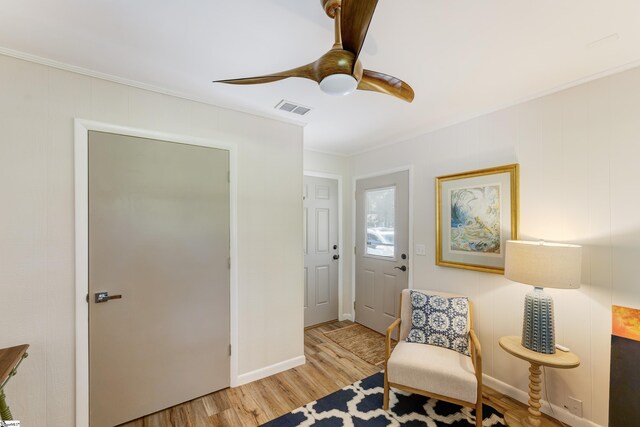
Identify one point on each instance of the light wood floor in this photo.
(329, 368)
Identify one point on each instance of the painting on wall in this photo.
(476, 213)
(626, 322)
(624, 404)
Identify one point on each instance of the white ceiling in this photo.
(461, 57)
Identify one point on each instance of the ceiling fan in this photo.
(339, 71)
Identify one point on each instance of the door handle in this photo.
(336, 257)
(401, 268)
(104, 297)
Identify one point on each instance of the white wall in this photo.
(338, 165)
(579, 152)
(37, 107)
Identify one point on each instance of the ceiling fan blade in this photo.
(383, 83)
(306, 72)
(253, 80)
(355, 20)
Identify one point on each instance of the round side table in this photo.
(560, 359)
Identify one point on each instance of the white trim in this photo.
(383, 172)
(346, 316)
(340, 234)
(140, 85)
(82, 128)
(408, 168)
(82, 274)
(270, 370)
(559, 413)
(411, 254)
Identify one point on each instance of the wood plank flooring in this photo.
(329, 368)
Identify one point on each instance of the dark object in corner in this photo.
(624, 389)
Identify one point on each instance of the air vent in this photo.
(292, 107)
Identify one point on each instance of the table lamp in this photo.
(542, 265)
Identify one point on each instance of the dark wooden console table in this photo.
(10, 359)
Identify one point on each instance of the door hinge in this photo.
(229, 263)
(354, 251)
(87, 298)
(354, 304)
(229, 349)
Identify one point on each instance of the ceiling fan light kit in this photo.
(338, 84)
(339, 71)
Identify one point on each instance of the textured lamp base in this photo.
(537, 325)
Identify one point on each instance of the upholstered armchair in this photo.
(430, 370)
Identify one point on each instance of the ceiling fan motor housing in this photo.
(338, 61)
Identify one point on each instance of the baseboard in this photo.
(346, 316)
(559, 413)
(269, 370)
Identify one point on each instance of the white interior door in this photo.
(158, 239)
(382, 243)
(321, 252)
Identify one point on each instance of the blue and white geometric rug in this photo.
(360, 405)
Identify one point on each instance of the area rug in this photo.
(360, 405)
(365, 343)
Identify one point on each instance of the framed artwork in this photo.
(476, 213)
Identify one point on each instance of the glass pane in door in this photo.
(380, 220)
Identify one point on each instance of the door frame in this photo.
(81, 141)
(341, 312)
(408, 168)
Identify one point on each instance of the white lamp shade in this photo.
(547, 265)
(338, 84)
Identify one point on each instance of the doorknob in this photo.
(104, 297)
(402, 268)
(336, 257)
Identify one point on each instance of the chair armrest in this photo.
(476, 353)
(387, 341)
(475, 343)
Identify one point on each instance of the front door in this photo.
(382, 243)
(159, 245)
(321, 252)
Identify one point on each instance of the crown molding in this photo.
(138, 85)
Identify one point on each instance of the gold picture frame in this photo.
(476, 212)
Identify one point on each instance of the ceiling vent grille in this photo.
(292, 107)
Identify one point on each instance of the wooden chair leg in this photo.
(385, 401)
(479, 416)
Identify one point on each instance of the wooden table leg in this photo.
(532, 417)
(534, 395)
(5, 413)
